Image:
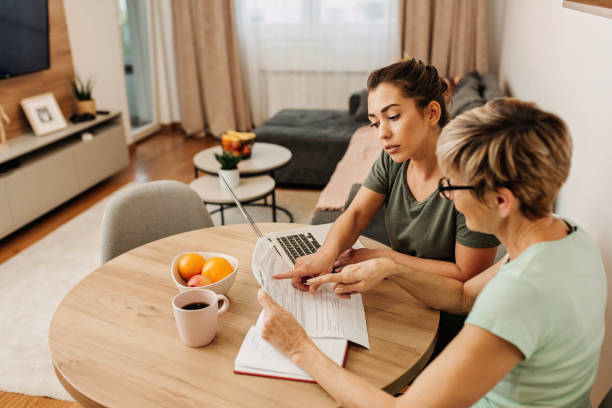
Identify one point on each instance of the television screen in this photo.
(24, 37)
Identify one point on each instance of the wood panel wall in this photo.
(57, 79)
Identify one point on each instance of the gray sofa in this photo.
(317, 139)
(471, 91)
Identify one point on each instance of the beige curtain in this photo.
(211, 89)
(449, 34)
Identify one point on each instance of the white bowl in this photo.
(220, 287)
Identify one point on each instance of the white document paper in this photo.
(322, 314)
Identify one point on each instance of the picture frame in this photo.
(598, 7)
(43, 113)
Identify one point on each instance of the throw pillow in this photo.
(361, 113)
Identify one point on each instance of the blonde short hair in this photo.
(513, 144)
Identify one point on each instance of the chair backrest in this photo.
(148, 212)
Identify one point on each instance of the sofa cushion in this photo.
(490, 87)
(355, 100)
(317, 120)
(361, 111)
(466, 95)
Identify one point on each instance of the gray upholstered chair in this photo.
(148, 212)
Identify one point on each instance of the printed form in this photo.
(322, 314)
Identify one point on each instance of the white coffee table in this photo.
(265, 158)
(256, 174)
(248, 191)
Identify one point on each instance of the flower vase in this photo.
(231, 176)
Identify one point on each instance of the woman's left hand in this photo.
(280, 328)
(358, 277)
(353, 256)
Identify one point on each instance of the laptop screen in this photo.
(241, 208)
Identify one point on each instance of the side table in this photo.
(256, 178)
(250, 189)
(265, 158)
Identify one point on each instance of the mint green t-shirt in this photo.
(550, 303)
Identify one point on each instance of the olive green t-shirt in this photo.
(428, 229)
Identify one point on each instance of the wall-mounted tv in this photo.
(24, 37)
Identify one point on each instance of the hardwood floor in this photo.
(165, 155)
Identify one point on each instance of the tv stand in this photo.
(38, 173)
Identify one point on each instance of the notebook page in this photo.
(256, 356)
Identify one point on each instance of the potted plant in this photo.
(82, 91)
(229, 168)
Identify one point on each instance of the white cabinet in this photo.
(98, 158)
(41, 184)
(6, 218)
(47, 172)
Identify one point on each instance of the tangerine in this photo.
(217, 268)
(190, 264)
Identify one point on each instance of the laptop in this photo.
(290, 244)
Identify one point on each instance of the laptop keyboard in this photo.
(299, 245)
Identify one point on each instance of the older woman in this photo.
(536, 319)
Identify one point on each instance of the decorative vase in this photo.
(88, 106)
(231, 176)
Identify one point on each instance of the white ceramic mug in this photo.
(197, 327)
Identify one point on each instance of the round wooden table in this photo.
(114, 342)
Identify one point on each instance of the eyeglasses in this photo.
(445, 188)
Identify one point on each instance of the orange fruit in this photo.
(217, 268)
(190, 264)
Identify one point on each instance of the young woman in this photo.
(407, 108)
(536, 320)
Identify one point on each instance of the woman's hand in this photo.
(353, 256)
(280, 328)
(357, 277)
(307, 267)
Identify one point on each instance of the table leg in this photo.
(273, 206)
(222, 216)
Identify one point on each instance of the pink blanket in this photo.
(362, 151)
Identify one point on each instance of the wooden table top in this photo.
(114, 342)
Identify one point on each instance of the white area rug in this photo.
(34, 282)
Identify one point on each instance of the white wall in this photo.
(562, 60)
(96, 46)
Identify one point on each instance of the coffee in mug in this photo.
(196, 312)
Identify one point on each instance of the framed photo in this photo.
(43, 113)
(599, 7)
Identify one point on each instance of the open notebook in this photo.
(257, 357)
(330, 321)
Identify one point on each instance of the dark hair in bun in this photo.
(416, 80)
